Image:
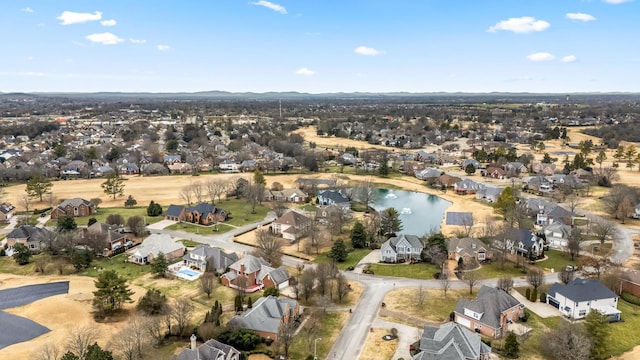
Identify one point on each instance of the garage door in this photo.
(464, 322)
(554, 303)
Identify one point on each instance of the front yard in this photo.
(200, 229)
(556, 260)
(353, 258)
(413, 271)
(435, 308)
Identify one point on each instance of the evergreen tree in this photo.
(66, 223)
(159, 265)
(130, 202)
(546, 159)
(470, 169)
(358, 235)
(597, 326)
(152, 303)
(339, 251)
(258, 178)
(506, 201)
(21, 254)
(390, 221)
(37, 186)
(154, 209)
(112, 291)
(113, 185)
(511, 346)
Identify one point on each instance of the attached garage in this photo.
(464, 322)
(553, 302)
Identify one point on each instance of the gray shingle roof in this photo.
(582, 290)
(31, 233)
(75, 202)
(490, 302)
(210, 350)
(265, 315)
(451, 339)
(412, 239)
(251, 264)
(219, 258)
(174, 210)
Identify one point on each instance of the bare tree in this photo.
(604, 229)
(372, 226)
(279, 207)
(501, 244)
(269, 247)
(445, 283)
(472, 278)
(594, 266)
(186, 194)
(254, 194)
(52, 200)
(182, 310)
(366, 193)
(167, 317)
(198, 191)
(505, 284)
(80, 338)
(286, 335)
(565, 275)
(242, 283)
(312, 326)
(574, 242)
(489, 228)
(132, 341)
(155, 330)
(567, 342)
(342, 286)
(573, 202)
(324, 273)
(25, 201)
(207, 283)
(49, 351)
(614, 200)
(215, 189)
(421, 296)
(307, 282)
(315, 236)
(535, 278)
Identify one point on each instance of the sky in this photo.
(320, 46)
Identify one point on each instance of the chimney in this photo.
(193, 339)
(242, 269)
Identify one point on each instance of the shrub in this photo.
(527, 294)
(271, 291)
(534, 295)
(452, 316)
(543, 297)
(240, 339)
(630, 298)
(525, 316)
(152, 303)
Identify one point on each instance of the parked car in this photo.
(128, 244)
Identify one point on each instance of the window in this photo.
(75, 211)
(582, 313)
(481, 256)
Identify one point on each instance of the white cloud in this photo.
(580, 16)
(137, 41)
(163, 47)
(31, 73)
(27, 9)
(616, 2)
(364, 50)
(106, 38)
(110, 22)
(269, 5)
(70, 17)
(30, 58)
(305, 72)
(541, 56)
(569, 58)
(521, 25)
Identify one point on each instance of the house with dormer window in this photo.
(489, 313)
(401, 248)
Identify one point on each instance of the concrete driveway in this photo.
(541, 309)
(407, 335)
(161, 224)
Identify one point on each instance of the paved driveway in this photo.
(541, 309)
(161, 224)
(407, 335)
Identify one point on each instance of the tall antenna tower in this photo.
(280, 105)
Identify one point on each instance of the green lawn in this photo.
(436, 307)
(625, 334)
(119, 264)
(556, 260)
(199, 229)
(8, 265)
(240, 212)
(492, 270)
(413, 271)
(533, 345)
(189, 243)
(102, 214)
(353, 258)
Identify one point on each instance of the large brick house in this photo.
(258, 272)
(30, 236)
(292, 225)
(76, 207)
(111, 235)
(203, 214)
(489, 313)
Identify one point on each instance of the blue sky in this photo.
(319, 46)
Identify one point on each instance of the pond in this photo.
(420, 213)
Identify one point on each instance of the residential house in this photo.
(266, 316)
(522, 242)
(288, 195)
(489, 313)
(258, 273)
(325, 213)
(229, 166)
(543, 168)
(76, 207)
(494, 172)
(30, 236)
(451, 341)
(6, 212)
(468, 249)
(553, 214)
(534, 206)
(557, 235)
(204, 257)
(401, 248)
(473, 162)
(515, 167)
(579, 297)
(111, 235)
(539, 183)
(128, 168)
(171, 159)
(292, 225)
(155, 244)
(180, 168)
(447, 181)
(428, 174)
(175, 213)
(630, 282)
(249, 165)
(333, 197)
(467, 186)
(210, 350)
(429, 158)
(489, 194)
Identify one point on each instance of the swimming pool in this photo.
(188, 274)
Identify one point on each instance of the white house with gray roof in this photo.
(489, 313)
(581, 296)
(401, 248)
(203, 256)
(451, 341)
(155, 244)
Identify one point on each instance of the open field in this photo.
(377, 349)
(436, 306)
